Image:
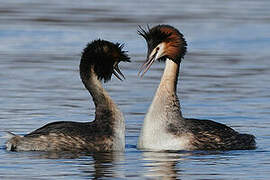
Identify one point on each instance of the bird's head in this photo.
(103, 57)
(163, 41)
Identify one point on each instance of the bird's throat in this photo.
(166, 100)
(169, 78)
(103, 102)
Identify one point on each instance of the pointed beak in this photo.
(146, 66)
(118, 73)
(157, 53)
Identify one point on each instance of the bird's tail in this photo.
(9, 135)
(10, 144)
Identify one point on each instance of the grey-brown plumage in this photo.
(164, 126)
(210, 135)
(107, 132)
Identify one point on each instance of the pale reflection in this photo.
(162, 165)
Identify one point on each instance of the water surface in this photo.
(224, 77)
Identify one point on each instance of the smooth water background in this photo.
(225, 77)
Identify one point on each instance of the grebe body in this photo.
(107, 132)
(164, 127)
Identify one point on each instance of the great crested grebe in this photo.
(164, 127)
(99, 61)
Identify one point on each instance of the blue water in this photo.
(225, 77)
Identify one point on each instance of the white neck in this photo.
(166, 96)
(165, 107)
(170, 76)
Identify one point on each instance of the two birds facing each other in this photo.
(164, 127)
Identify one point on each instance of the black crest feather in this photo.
(153, 36)
(101, 55)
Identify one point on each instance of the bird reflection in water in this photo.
(97, 165)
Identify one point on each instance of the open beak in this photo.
(157, 53)
(145, 67)
(118, 73)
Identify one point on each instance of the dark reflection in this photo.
(55, 155)
(105, 164)
(89, 165)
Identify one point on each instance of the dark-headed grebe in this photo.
(107, 132)
(164, 127)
